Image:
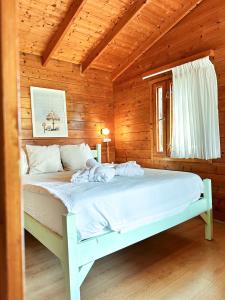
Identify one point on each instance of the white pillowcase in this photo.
(74, 157)
(44, 159)
(23, 163)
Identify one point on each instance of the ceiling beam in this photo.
(129, 14)
(64, 27)
(149, 43)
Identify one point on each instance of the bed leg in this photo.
(70, 259)
(208, 215)
(209, 225)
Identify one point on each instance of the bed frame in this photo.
(77, 257)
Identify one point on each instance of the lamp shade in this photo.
(105, 131)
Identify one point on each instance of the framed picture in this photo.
(49, 116)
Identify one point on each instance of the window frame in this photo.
(165, 156)
(164, 82)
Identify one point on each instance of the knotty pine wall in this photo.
(203, 29)
(89, 101)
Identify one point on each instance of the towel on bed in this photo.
(96, 172)
(130, 168)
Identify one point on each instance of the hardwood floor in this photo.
(175, 265)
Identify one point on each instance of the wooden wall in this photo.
(201, 30)
(89, 100)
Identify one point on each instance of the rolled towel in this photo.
(130, 168)
(97, 173)
(102, 174)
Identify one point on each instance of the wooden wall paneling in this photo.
(89, 101)
(162, 31)
(99, 26)
(96, 19)
(132, 121)
(129, 14)
(38, 21)
(62, 30)
(168, 67)
(202, 29)
(11, 265)
(145, 24)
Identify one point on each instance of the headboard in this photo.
(97, 153)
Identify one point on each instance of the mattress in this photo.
(119, 205)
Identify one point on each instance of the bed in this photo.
(107, 217)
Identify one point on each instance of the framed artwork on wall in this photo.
(49, 115)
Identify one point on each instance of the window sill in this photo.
(186, 160)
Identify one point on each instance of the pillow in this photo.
(74, 157)
(23, 163)
(44, 159)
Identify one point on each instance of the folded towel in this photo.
(130, 168)
(97, 173)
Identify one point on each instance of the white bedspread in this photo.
(124, 202)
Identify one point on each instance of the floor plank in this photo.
(175, 265)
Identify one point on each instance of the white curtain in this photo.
(195, 130)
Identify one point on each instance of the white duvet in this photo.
(124, 202)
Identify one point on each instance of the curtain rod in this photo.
(155, 74)
(179, 62)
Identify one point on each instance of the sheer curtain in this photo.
(195, 132)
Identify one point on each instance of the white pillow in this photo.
(44, 159)
(74, 157)
(23, 163)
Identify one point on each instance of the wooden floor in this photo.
(175, 265)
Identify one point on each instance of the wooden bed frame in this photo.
(77, 257)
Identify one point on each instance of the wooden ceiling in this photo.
(105, 34)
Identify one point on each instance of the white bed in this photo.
(123, 204)
(82, 223)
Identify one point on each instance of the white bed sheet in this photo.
(119, 205)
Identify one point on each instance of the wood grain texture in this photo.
(145, 28)
(188, 7)
(62, 30)
(157, 268)
(168, 67)
(98, 23)
(128, 15)
(38, 21)
(202, 29)
(89, 101)
(11, 264)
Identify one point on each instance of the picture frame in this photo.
(49, 113)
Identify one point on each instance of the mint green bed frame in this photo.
(77, 257)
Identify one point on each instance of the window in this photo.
(159, 118)
(162, 115)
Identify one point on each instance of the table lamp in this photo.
(105, 132)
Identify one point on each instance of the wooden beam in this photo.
(148, 44)
(162, 69)
(11, 265)
(129, 15)
(64, 27)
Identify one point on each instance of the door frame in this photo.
(11, 237)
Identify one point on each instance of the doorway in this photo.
(11, 237)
